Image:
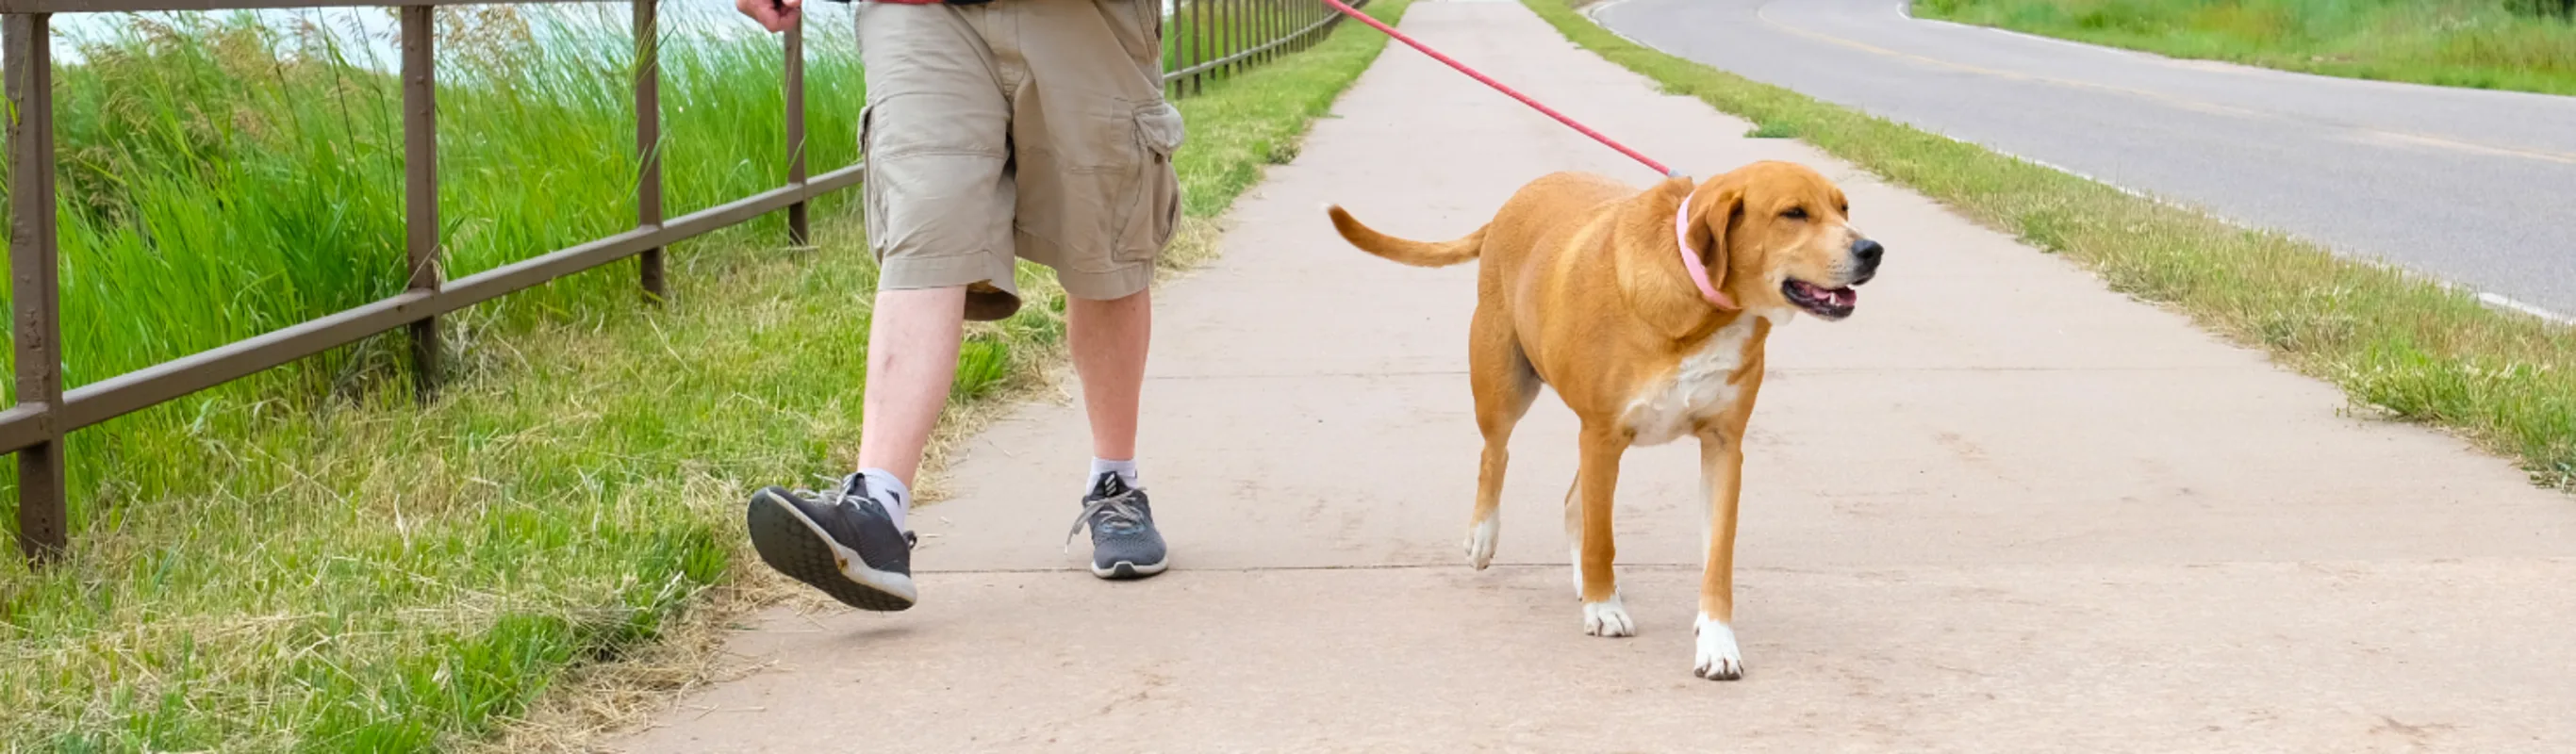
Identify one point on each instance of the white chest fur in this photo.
(1698, 387)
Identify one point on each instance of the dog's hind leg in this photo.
(1505, 384)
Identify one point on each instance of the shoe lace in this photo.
(835, 491)
(839, 492)
(1112, 514)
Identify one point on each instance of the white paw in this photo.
(1719, 659)
(1607, 618)
(1480, 541)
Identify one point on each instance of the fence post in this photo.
(1315, 11)
(420, 185)
(1300, 12)
(1167, 49)
(1198, 44)
(798, 232)
(34, 276)
(648, 144)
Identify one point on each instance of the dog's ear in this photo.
(1711, 222)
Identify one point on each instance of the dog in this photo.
(1646, 311)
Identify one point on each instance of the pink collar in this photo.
(1690, 259)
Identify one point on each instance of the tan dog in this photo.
(1647, 312)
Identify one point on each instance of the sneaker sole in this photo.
(1127, 570)
(793, 544)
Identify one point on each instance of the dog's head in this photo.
(1778, 234)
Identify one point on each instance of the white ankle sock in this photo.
(891, 493)
(1126, 471)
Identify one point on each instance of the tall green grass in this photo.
(2494, 44)
(221, 178)
(360, 573)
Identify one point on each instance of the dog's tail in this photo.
(1416, 253)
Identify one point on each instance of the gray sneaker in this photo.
(840, 541)
(1124, 544)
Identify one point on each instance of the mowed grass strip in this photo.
(2527, 45)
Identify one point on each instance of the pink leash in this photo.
(1681, 219)
(1498, 86)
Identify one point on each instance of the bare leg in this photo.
(859, 553)
(912, 361)
(1109, 340)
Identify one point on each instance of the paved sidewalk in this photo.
(2000, 509)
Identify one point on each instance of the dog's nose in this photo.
(1868, 251)
(1865, 254)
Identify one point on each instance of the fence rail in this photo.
(1205, 40)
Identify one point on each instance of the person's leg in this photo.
(1109, 340)
(1098, 200)
(939, 202)
(912, 360)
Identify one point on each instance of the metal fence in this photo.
(1205, 40)
(1210, 39)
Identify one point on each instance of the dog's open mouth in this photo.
(1827, 303)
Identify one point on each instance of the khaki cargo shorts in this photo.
(1017, 129)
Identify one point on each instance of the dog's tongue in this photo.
(1844, 296)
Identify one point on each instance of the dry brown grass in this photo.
(594, 704)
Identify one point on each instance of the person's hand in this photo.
(774, 15)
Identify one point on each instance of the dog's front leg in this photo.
(1721, 469)
(1597, 479)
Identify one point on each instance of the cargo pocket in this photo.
(1157, 211)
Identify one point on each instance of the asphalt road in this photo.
(2475, 187)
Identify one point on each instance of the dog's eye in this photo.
(1795, 213)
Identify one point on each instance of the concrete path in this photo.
(2438, 179)
(2000, 509)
